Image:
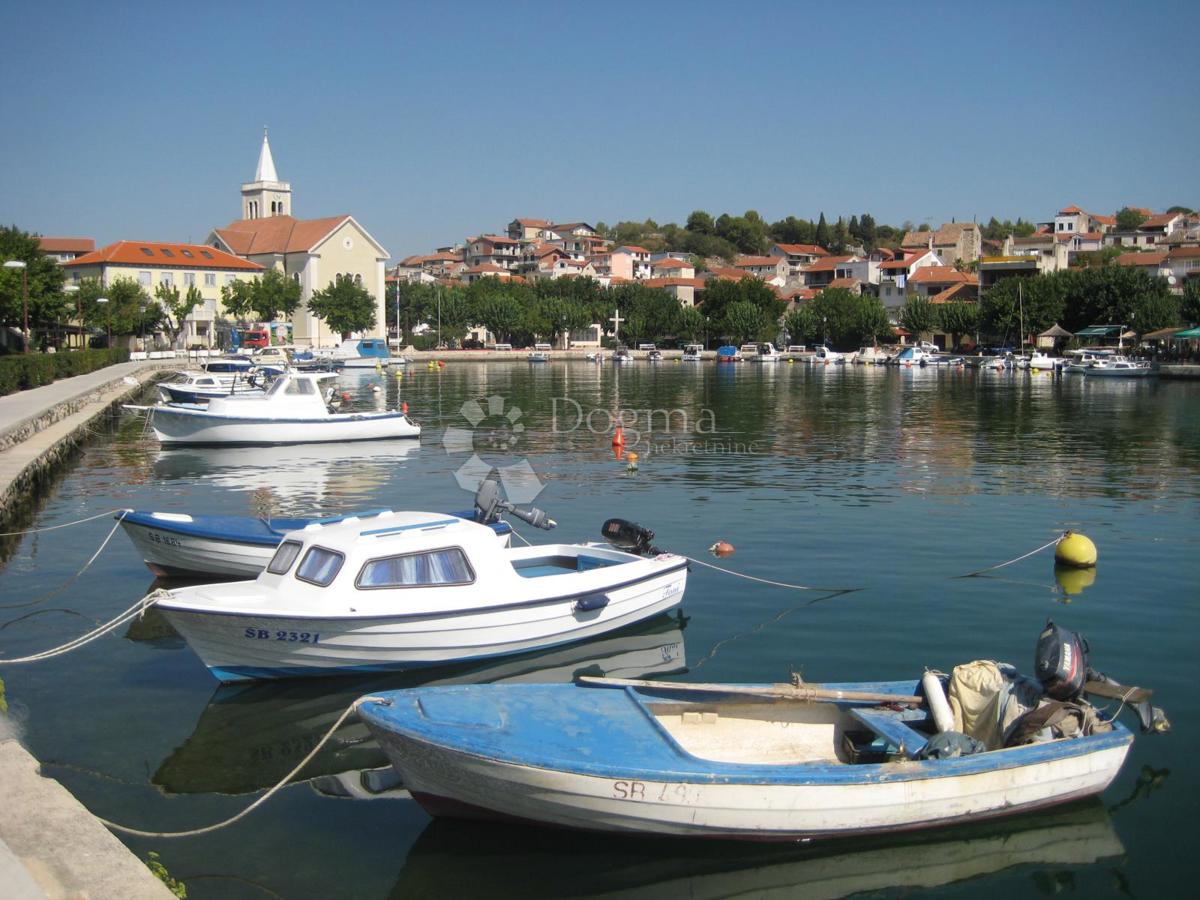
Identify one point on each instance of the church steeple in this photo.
(266, 195)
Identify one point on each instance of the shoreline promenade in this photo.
(50, 844)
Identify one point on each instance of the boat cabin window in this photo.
(320, 566)
(284, 557)
(300, 386)
(434, 567)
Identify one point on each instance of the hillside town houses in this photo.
(949, 263)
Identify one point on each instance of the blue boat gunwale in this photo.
(388, 721)
(439, 614)
(208, 527)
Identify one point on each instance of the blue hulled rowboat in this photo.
(182, 545)
(740, 761)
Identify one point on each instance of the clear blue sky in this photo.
(431, 122)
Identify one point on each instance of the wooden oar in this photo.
(772, 692)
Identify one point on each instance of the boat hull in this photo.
(243, 646)
(173, 555)
(179, 427)
(617, 789)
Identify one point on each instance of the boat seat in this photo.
(892, 727)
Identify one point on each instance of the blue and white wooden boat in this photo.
(403, 590)
(200, 387)
(747, 762)
(292, 411)
(185, 545)
(363, 353)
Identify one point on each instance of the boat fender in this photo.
(404, 407)
(1075, 550)
(721, 548)
(590, 603)
(619, 437)
(935, 696)
(633, 462)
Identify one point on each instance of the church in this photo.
(314, 252)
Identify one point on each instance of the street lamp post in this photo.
(20, 264)
(74, 289)
(107, 322)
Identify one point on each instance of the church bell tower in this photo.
(266, 195)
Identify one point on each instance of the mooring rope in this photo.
(123, 513)
(70, 581)
(782, 584)
(128, 615)
(352, 708)
(1018, 559)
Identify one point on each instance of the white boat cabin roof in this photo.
(290, 392)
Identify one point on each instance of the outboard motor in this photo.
(489, 505)
(628, 536)
(1060, 662)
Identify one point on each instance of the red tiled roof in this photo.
(1183, 253)
(954, 291)
(533, 223)
(634, 248)
(828, 264)
(941, 274)
(1140, 259)
(847, 283)
(277, 234)
(1070, 211)
(803, 249)
(673, 282)
(1159, 221)
(494, 239)
(1105, 220)
(670, 264)
(484, 269)
(157, 253)
(728, 274)
(66, 245)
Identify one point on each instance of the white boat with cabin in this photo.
(870, 356)
(409, 589)
(823, 356)
(292, 411)
(693, 352)
(1117, 366)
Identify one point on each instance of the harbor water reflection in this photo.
(889, 481)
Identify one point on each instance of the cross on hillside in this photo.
(616, 321)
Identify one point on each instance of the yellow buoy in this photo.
(633, 462)
(1075, 550)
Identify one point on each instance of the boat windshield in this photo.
(284, 557)
(320, 566)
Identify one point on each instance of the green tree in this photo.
(344, 307)
(1189, 306)
(43, 279)
(495, 305)
(745, 321)
(916, 316)
(841, 236)
(804, 325)
(455, 313)
(128, 308)
(690, 324)
(275, 295)
(700, 222)
(416, 301)
(1129, 219)
(867, 231)
(821, 236)
(957, 319)
(237, 297)
(848, 320)
(176, 308)
(793, 231)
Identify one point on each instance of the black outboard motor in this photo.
(489, 505)
(1060, 662)
(630, 537)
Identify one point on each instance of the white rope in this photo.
(782, 584)
(66, 584)
(124, 512)
(520, 537)
(353, 707)
(128, 615)
(1018, 559)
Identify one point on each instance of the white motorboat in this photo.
(1044, 363)
(361, 353)
(409, 589)
(763, 352)
(596, 356)
(1117, 366)
(823, 356)
(538, 356)
(292, 411)
(693, 352)
(622, 355)
(993, 363)
(870, 356)
(1079, 361)
(200, 387)
(909, 357)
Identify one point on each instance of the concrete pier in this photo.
(50, 845)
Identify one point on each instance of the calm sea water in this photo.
(891, 482)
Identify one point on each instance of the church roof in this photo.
(277, 234)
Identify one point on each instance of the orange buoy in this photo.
(441, 364)
(633, 462)
(404, 408)
(619, 437)
(721, 548)
(346, 396)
